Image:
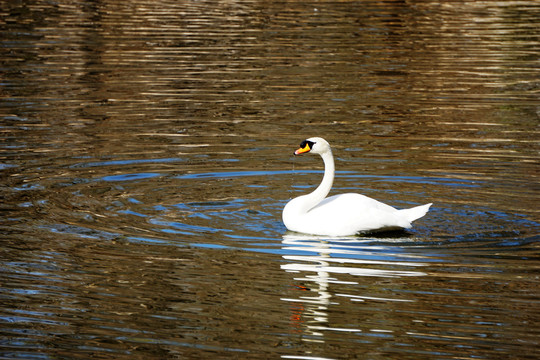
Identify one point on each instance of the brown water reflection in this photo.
(146, 157)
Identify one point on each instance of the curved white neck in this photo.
(318, 195)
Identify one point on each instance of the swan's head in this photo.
(315, 145)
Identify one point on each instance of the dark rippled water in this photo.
(146, 158)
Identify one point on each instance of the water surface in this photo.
(147, 154)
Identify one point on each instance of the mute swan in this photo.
(344, 214)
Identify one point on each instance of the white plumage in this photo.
(344, 214)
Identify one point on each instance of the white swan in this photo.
(344, 214)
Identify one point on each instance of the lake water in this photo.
(146, 156)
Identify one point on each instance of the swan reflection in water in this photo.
(320, 261)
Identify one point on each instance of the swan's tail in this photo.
(416, 212)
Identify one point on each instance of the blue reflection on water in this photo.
(130, 177)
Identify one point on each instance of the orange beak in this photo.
(303, 150)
